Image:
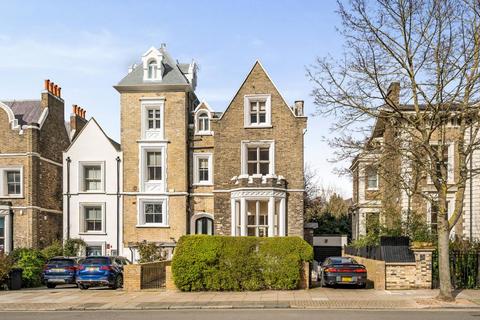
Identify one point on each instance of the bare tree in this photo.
(431, 48)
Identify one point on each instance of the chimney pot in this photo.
(55, 90)
(84, 114)
(47, 84)
(51, 87)
(393, 93)
(299, 107)
(59, 92)
(74, 108)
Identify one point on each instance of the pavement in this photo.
(243, 314)
(72, 299)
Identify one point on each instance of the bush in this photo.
(149, 252)
(72, 247)
(31, 261)
(239, 263)
(53, 250)
(6, 265)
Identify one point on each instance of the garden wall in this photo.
(400, 275)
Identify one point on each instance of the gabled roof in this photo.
(257, 63)
(174, 74)
(92, 120)
(25, 111)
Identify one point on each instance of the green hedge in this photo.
(219, 263)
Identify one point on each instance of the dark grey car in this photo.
(342, 270)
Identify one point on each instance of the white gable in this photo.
(152, 59)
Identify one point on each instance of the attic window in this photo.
(152, 69)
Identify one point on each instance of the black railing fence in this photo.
(464, 271)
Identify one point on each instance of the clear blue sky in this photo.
(87, 46)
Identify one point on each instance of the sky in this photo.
(87, 46)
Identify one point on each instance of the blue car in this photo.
(95, 271)
(59, 270)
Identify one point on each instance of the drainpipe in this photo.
(471, 186)
(118, 205)
(11, 230)
(68, 197)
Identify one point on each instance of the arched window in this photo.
(152, 69)
(203, 122)
(204, 225)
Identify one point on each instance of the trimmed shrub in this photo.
(31, 261)
(53, 250)
(149, 252)
(218, 263)
(72, 247)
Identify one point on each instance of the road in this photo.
(244, 315)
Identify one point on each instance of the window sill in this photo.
(152, 225)
(92, 192)
(373, 189)
(204, 133)
(92, 233)
(15, 196)
(203, 184)
(266, 126)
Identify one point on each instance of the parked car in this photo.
(342, 270)
(101, 271)
(59, 270)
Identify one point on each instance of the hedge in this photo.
(216, 263)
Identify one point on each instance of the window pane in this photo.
(252, 168)
(264, 168)
(253, 106)
(252, 154)
(264, 154)
(262, 118)
(253, 118)
(150, 113)
(262, 105)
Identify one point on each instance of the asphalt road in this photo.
(244, 315)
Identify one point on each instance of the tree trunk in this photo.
(443, 249)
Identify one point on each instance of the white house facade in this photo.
(92, 200)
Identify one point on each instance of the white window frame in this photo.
(244, 155)
(197, 123)
(81, 176)
(366, 178)
(96, 244)
(268, 108)
(82, 207)
(153, 185)
(450, 164)
(153, 75)
(141, 213)
(152, 104)
(196, 168)
(4, 185)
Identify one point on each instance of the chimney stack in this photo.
(299, 108)
(52, 88)
(393, 94)
(77, 120)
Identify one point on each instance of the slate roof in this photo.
(25, 111)
(173, 73)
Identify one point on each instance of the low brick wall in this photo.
(400, 275)
(132, 274)
(375, 271)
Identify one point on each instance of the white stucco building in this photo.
(92, 203)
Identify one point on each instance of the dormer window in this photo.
(152, 65)
(203, 122)
(152, 70)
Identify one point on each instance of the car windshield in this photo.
(342, 260)
(96, 260)
(62, 262)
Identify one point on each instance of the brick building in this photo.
(32, 139)
(188, 169)
(378, 194)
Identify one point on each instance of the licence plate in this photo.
(57, 280)
(346, 279)
(92, 269)
(58, 270)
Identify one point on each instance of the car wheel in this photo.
(51, 285)
(83, 287)
(118, 282)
